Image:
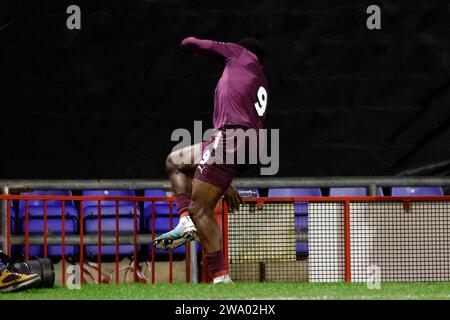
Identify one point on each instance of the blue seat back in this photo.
(300, 206)
(108, 193)
(13, 219)
(352, 192)
(417, 191)
(54, 222)
(295, 192)
(161, 207)
(54, 207)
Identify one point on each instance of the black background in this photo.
(102, 102)
(285, 309)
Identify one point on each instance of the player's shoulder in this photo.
(231, 48)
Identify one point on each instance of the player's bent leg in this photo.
(204, 199)
(180, 166)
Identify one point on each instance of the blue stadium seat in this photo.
(108, 220)
(54, 221)
(108, 207)
(161, 207)
(300, 207)
(352, 192)
(294, 192)
(416, 191)
(13, 226)
(300, 210)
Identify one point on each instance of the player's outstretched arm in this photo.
(195, 46)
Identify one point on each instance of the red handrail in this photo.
(249, 199)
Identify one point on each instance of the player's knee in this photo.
(201, 208)
(170, 165)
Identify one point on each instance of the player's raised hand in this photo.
(232, 198)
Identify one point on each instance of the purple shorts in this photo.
(216, 166)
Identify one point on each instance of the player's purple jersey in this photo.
(241, 93)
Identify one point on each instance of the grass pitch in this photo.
(245, 291)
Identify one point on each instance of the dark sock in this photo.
(216, 264)
(183, 200)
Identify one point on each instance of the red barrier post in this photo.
(45, 228)
(135, 264)
(117, 242)
(170, 251)
(27, 231)
(225, 232)
(63, 242)
(99, 242)
(188, 262)
(8, 227)
(153, 238)
(81, 242)
(347, 252)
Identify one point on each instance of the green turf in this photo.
(242, 291)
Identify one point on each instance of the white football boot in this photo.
(185, 231)
(222, 279)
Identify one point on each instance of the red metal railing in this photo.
(442, 223)
(221, 214)
(100, 278)
(347, 250)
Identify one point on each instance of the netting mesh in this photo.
(326, 242)
(302, 241)
(406, 242)
(263, 243)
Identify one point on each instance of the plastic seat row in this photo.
(90, 215)
(347, 192)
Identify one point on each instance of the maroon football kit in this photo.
(240, 102)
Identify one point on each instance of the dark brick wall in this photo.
(103, 101)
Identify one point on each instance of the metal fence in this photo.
(332, 239)
(94, 235)
(327, 242)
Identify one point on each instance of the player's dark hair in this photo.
(255, 46)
